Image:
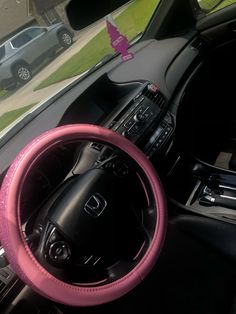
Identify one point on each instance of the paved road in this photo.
(25, 95)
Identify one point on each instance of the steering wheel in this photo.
(90, 211)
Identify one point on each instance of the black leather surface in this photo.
(232, 163)
(189, 277)
(218, 235)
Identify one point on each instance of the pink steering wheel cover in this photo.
(17, 250)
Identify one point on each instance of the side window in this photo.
(20, 40)
(34, 32)
(2, 52)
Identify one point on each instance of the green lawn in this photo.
(3, 93)
(226, 3)
(10, 116)
(206, 4)
(132, 21)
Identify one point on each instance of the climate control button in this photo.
(136, 127)
(129, 123)
(140, 117)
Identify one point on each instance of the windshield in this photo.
(42, 54)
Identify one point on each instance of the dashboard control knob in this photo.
(59, 252)
(139, 117)
(125, 133)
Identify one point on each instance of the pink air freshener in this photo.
(119, 42)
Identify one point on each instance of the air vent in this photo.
(97, 146)
(199, 44)
(6, 280)
(2, 287)
(155, 96)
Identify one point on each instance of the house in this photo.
(18, 14)
(14, 15)
(48, 12)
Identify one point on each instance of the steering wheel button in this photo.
(59, 252)
(120, 169)
(52, 238)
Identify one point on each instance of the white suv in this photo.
(26, 50)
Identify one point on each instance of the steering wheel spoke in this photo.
(119, 270)
(54, 250)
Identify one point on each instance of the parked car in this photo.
(20, 54)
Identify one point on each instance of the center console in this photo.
(199, 187)
(144, 120)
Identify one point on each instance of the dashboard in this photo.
(135, 99)
(104, 92)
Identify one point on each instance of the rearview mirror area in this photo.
(84, 13)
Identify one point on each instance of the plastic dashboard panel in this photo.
(151, 62)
